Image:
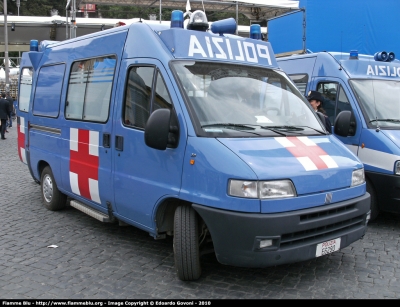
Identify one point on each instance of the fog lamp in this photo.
(368, 216)
(265, 243)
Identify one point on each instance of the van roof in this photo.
(363, 66)
(181, 43)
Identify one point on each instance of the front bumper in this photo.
(294, 234)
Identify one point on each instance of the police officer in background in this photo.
(315, 99)
(4, 112)
(11, 109)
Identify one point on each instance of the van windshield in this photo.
(380, 101)
(236, 100)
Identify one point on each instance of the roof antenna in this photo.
(341, 44)
(341, 50)
(372, 83)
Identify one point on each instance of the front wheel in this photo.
(186, 243)
(53, 199)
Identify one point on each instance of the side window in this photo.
(161, 98)
(343, 103)
(329, 90)
(301, 81)
(336, 99)
(48, 91)
(138, 96)
(25, 88)
(89, 89)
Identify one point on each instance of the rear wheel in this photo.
(374, 203)
(53, 199)
(186, 243)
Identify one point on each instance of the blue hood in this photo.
(393, 135)
(314, 164)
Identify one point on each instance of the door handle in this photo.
(119, 142)
(106, 140)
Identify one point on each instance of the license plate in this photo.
(327, 247)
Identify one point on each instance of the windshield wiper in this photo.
(233, 127)
(287, 128)
(228, 125)
(273, 129)
(294, 129)
(281, 129)
(314, 129)
(385, 120)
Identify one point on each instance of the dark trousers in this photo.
(3, 127)
(10, 119)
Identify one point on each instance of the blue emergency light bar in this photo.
(177, 19)
(255, 31)
(34, 45)
(353, 54)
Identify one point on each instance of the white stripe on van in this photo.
(73, 139)
(378, 159)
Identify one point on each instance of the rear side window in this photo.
(48, 91)
(25, 87)
(89, 89)
(301, 81)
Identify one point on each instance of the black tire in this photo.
(374, 202)
(53, 199)
(186, 244)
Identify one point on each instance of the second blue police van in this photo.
(368, 89)
(188, 133)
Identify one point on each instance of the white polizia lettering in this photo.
(370, 71)
(264, 53)
(380, 70)
(239, 57)
(221, 48)
(250, 46)
(221, 54)
(228, 45)
(195, 47)
(209, 48)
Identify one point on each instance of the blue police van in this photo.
(366, 89)
(189, 133)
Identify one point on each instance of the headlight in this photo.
(240, 188)
(276, 189)
(261, 189)
(357, 177)
(397, 168)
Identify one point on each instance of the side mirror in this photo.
(157, 129)
(158, 132)
(345, 124)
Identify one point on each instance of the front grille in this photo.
(319, 214)
(327, 231)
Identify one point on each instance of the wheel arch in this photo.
(40, 167)
(371, 189)
(164, 216)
